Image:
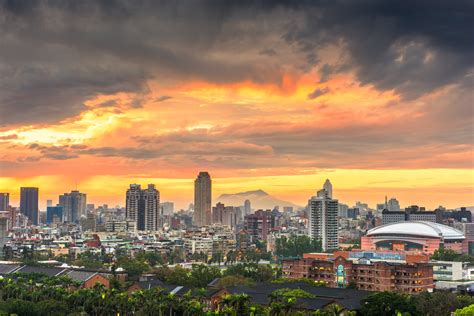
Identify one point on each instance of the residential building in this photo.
(226, 215)
(142, 207)
(29, 204)
(74, 206)
(203, 200)
(258, 225)
(323, 225)
(4, 202)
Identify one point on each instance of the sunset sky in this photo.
(377, 96)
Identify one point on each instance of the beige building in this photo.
(202, 200)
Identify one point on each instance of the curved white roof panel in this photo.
(417, 228)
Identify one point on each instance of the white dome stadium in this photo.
(417, 229)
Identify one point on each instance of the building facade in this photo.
(323, 225)
(417, 236)
(74, 206)
(54, 214)
(340, 272)
(258, 225)
(4, 202)
(29, 204)
(142, 207)
(203, 200)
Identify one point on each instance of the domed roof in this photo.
(417, 228)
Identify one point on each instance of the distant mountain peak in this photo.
(246, 193)
(258, 199)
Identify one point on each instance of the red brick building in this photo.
(365, 275)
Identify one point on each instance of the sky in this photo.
(375, 95)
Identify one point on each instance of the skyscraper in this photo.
(150, 212)
(4, 201)
(142, 207)
(29, 204)
(74, 206)
(202, 199)
(328, 187)
(247, 207)
(323, 219)
(132, 203)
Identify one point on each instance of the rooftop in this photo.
(418, 228)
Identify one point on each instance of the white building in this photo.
(328, 187)
(323, 224)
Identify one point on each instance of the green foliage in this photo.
(388, 304)
(232, 280)
(450, 255)
(305, 280)
(151, 258)
(296, 246)
(286, 292)
(134, 267)
(202, 274)
(466, 311)
(254, 271)
(437, 303)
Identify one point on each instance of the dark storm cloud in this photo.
(57, 54)
(411, 47)
(317, 93)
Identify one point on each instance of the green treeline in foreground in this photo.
(35, 294)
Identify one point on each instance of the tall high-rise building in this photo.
(323, 225)
(328, 187)
(74, 206)
(202, 199)
(132, 203)
(29, 204)
(247, 207)
(151, 202)
(49, 203)
(4, 201)
(142, 207)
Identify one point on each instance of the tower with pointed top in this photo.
(328, 187)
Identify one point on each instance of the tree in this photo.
(202, 274)
(256, 272)
(178, 276)
(437, 303)
(296, 246)
(133, 267)
(387, 304)
(466, 311)
(232, 280)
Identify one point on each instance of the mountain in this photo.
(259, 199)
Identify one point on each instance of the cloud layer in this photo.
(274, 88)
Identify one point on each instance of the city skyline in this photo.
(263, 96)
(183, 203)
